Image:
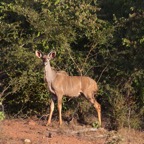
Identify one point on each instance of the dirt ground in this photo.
(20, 131)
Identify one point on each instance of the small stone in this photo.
(27, 141)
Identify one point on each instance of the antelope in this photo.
(61, 84)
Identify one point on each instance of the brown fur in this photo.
(73, 86)
(61, 84)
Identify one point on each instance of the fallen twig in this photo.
(81, 130)
(74, 131)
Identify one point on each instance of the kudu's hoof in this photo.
(48, 124)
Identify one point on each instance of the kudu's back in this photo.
(74, 85)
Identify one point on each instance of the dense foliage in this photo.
(101, 39)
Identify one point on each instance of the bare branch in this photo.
(80, 70)
(88, 55)
(102, 73)
(2, 93)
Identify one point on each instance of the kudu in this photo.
(61, 84)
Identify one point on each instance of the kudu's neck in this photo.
(50, 74)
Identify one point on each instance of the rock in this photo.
(27, 141)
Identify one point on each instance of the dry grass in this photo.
(131, 136)
(14, 131)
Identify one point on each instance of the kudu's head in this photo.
(45, 58)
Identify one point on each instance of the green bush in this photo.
(90, 38)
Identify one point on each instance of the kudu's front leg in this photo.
(51, 112)
(60, 109)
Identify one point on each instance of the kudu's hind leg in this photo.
(51, 112)
(97, 106)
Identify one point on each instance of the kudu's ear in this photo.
(38, 54)
(52, 54)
